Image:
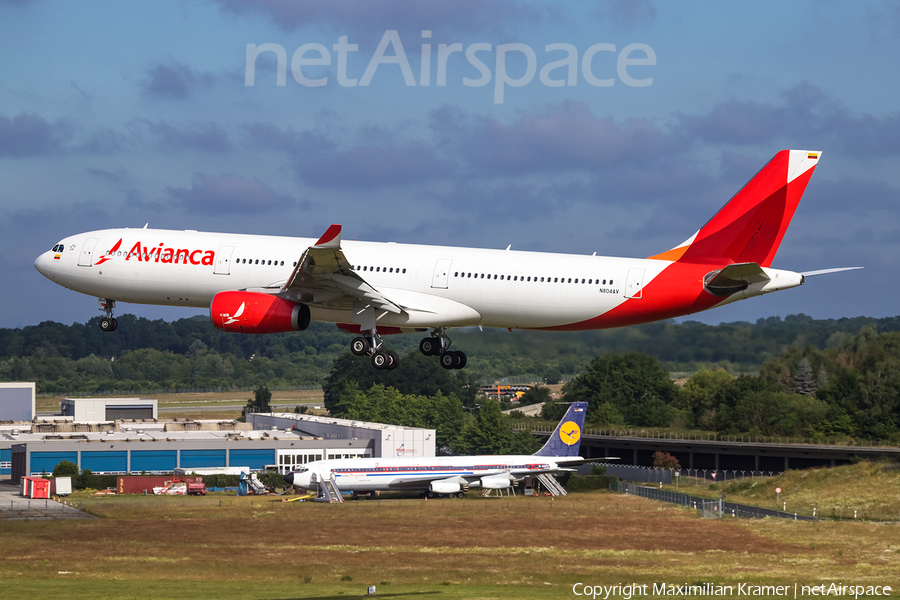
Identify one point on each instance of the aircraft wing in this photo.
(324, 277)
(424, 482)
(576, 461)
(561, 467)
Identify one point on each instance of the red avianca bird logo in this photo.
(109, 254)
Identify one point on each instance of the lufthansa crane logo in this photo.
(569, 433)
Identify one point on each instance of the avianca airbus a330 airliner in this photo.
(267, 284)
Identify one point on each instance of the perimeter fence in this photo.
(706, 507)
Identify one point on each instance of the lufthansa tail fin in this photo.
(566, 438)
(750, 227)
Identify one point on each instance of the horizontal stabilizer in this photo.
(829, 271)
(734, 278)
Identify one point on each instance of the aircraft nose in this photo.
(289, 478)
(42, 263)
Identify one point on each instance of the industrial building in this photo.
(99, 410)
(380, 439)
(17, 401)
(154, 446)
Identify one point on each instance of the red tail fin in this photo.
(750, 227)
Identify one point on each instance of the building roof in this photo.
(301, 418)
(136, 431)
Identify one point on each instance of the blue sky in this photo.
(116, 114)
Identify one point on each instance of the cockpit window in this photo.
(58, 248)
(303, 469)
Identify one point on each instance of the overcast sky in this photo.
(637, 124)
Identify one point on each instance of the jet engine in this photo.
(445, 487)
(253, 312)
(496, 482)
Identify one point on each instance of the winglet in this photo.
(331, 238)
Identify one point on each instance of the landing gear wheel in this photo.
(429, 494)
(448, 360)
(460, 495)
(453, 360)
(381, 360)
(430, 346)
(359, 346)
(395, 360)
(108, 307)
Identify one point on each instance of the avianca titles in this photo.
(447, 475)
(268, 284)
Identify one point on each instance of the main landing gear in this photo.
(370, 344)
(108, 323)
(439, 345)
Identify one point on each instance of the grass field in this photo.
(866, 490)
(224, 546)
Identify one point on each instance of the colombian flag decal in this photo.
(813, 155)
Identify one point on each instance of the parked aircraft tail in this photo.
(566, 438)
(749, 228)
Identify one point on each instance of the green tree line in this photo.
(423, 394)
(849, 389)
(145, 354)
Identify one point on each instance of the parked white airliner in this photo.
(450, 475)
(267, 284)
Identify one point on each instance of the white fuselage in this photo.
(382, 474)
(443, 286)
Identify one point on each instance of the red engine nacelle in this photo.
(252, 312)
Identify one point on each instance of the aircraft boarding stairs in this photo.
(256, 485)
(551, 484)
(249, 484)
(327, 489)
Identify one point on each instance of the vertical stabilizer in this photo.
(749, 228)
(566, 438)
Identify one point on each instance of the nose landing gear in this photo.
(439, 345)
(107, 306)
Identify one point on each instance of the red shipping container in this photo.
(37, 487)
(144, 484)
